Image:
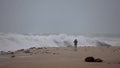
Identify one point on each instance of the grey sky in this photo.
(60, 16)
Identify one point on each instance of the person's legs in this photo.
(75, 49)
(75, 45)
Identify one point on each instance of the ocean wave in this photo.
(22, 41)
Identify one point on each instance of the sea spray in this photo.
(11, 42)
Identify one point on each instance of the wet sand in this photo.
(62, 57)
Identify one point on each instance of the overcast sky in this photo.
(60, 16)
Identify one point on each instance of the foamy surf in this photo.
(11, 42)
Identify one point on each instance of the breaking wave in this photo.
(19, 41)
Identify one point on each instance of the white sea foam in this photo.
(19, 41)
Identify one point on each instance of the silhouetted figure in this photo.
(75, 43)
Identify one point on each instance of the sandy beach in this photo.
(62, 57)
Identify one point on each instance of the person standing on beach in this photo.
(75, 43)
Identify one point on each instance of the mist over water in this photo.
(14, 41)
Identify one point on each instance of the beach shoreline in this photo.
(62, 57)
